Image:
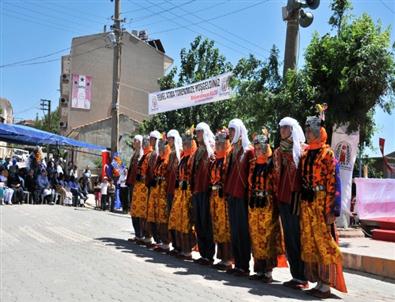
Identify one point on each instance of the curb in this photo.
(373, 265)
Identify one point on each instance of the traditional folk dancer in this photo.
(200, 182)
(180, 215)
(218, 205)
(287, 186)
(158, 214)
(320, 251)
(150, 179)
(236, 188)
(140, 193)
(131, 180)
(264, 221)
(175, 145)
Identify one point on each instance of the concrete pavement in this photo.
(55, 253)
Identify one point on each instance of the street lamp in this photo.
(295, 15)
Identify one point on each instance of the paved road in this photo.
(55, 253)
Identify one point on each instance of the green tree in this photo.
(353, 71)
(42, 123)
(201, 61)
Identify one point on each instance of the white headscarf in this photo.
(208, 137)
(155, 134)
(298, 137)
(177, 142)
(140, 139)
(240, 133)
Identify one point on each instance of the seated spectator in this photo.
(76, 190)
(30, 184)
(7, 192)
(44, 187)
(60, 187)
(14, 182)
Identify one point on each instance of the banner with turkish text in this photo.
(211, 90)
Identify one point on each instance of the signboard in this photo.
(345, 147)
(81, 92)
(208, 91)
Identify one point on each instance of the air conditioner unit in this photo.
(64, 101)
(65, 78)
(62, 124)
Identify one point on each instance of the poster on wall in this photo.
(210, 90)
(81, 92)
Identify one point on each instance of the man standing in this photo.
(200, 181)
(320, 251)
(236, 188)
(286, 183)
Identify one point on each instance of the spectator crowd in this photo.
(43, 180)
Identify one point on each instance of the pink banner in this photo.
(375, 197)
(81, 92)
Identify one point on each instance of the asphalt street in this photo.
(56, 253)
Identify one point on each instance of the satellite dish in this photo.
(305, 19)
(313, 4)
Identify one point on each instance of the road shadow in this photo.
(190, 268)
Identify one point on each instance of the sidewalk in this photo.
(369, 256)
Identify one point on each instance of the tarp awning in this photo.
(20, 134)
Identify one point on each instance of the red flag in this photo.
(381, 145)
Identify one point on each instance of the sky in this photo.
(43, 29)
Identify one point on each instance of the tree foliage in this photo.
(42, 123)
(352, 70)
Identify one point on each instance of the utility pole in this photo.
(46, 106)
(291, 41)
(116, 27)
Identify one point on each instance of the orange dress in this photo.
(319, 248)
(157, 201)
(263, 216)
(180, 214)
(140, 190)
(218, 205)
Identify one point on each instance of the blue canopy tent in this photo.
(19, 134)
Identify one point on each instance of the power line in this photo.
(140, 9)
(25, 110)
(47, 25)
(196, 11)
(215, 33)
(224, 29)
(388, 7)
(34, 16)
(164, 11)
(56, 59)
(49, 54)
(199, 33)
(33, 11)
(213, 18)
(70, 14)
